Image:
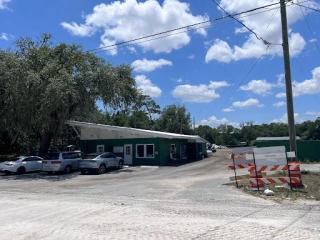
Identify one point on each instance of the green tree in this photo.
(43, 85)
(207, 133)
(174, 118)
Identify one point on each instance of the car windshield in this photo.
(51, 156)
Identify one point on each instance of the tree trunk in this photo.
(45, 143)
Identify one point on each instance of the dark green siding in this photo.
(307, 150)
(161, 149)
(89, 146)
(165, 148)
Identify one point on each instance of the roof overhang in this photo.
(93, 131)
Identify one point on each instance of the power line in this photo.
(180, 28)
(303, 72)
(115, 46)
(191, 29)
(262, 55)
(250, 30)
(305, 18)
(317, 10)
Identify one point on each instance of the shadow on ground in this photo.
(39, 176)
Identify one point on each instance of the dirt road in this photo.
(185, 202)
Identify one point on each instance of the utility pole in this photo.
(287, 71)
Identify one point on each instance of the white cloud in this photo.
(180, 80)
(132, 50)
(215, 122)
(312, 113)
(78, 30)
(3, 4)
(198, 93)
(259, 87)
(284, 119)
(145, 65)
(192, 56)
(281, 95)
(228, 110)
(279, 104)
(106, 42)
(307, 87)
(219, 51)
(248, 103)
(215, 85)
(147, 87)
(4, 36)
(313, 40)
(252, 47)
(281, 79)
(125, 20)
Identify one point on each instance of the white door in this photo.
(128, 154)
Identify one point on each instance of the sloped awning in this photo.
(93, 131)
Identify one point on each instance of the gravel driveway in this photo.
(185, 202)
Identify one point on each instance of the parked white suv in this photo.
(61, 162)
(22, 165)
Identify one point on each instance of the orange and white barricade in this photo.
(295, 173)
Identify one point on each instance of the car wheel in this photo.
(120, 165)
(67, 169)
(102, 169)
(21, 170)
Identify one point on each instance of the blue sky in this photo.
(214, 70)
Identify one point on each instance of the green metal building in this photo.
(139, 146)
(307, 150)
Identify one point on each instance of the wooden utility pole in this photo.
(287, 71)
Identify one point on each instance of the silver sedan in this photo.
(98, 162)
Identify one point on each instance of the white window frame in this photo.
(98, 146)
(144, 150)
(174, 148)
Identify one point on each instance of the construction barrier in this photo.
(265, 159)
(275, 180)
(244, 176)
(240, 166)
(294, 173)
(255, 184)
(274, 168)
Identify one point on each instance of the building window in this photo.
(172, 148)
(100, 148)
(140, 151)
(145, 151)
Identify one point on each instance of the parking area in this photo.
(177, 202)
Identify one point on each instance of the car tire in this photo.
(102, 169)
(21, 170)
(67, 169)
(120, 165)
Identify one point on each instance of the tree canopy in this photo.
(44, 84)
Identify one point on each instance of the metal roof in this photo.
(92, 131)
(275, 138)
